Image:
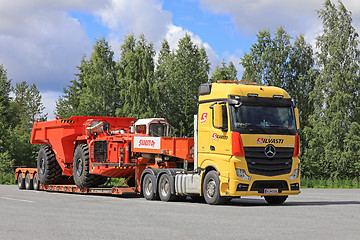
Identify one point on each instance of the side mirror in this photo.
(218, 118)
(296, 112)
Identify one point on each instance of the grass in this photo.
(309, 182)
(116, 181)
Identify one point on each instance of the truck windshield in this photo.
(265, 119)
(158, 130)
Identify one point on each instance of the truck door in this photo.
(220, 136)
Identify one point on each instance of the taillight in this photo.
(297, 146)
(237, 145)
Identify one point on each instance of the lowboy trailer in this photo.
(245, 144)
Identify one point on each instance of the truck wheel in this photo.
(81, 175)
(211, 189)
(36, 182)
(49, 170)
(148, 185)
(165, 189)
(28, 182)
(21, 181)
(275, 200)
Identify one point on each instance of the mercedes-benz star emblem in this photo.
(270, 151)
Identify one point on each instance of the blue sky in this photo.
(43, 41)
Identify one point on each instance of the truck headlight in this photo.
(242, 174)
(295, 174)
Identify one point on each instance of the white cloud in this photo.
(250, 16)
(148, 18)
(40, 42)
(49, 98)
(136, 16)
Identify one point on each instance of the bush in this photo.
(310, 182)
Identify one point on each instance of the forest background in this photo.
(323, 79)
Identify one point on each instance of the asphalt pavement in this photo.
(314, 214)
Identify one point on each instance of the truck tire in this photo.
(275, 200)
(36, 181)
(21, 181)
(81, 163)
(28, 182)
(49, 170)
(211, 189)
(165, 189)
(148, 185)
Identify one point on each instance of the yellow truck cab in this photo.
(247, 142)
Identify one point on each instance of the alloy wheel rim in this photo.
(210, 188)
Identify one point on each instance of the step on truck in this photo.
(245, 144)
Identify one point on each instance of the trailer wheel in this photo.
(211, 189)
(48, 168)
(36, 182)
(165, 189)
(81, 175)
(21, 181)
(28, 182)
(275, 200)
(148, 185)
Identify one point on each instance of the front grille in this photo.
(259, 186)
(259, 163)
(100, 152)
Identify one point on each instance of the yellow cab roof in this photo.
(237, 88)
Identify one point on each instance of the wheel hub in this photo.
(210, 188)
(165, 187)
(148, 188)
(42, 166)
(79, 167)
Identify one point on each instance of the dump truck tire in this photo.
(49, 170)
(81, 175)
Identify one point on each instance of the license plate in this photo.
(271, 191)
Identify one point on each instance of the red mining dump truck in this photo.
(81, 153)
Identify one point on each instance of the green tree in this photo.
(162, 73)
(334, 125)
(181, 72)
(99, 95)
(224, 72)
(67, 105)
(136, 78)
(94, 91)
(27, 107)
(6, 174)
(281, 62)
(5, 88)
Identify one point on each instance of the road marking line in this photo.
(14, 199)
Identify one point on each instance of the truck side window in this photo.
(225, 117)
